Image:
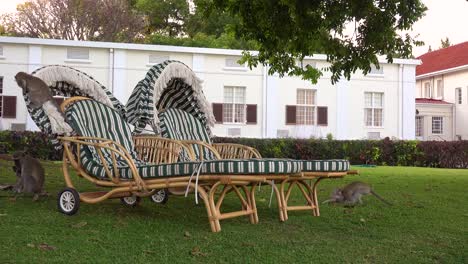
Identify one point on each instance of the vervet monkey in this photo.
(40, 96)
(352, 193)
(30, 174)
(37, 89)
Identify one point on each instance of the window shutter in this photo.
(322, 113)
(291, 115)
(9, 106)
(251, 114)
(218, 112)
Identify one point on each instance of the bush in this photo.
(35, 143)
(441, 154)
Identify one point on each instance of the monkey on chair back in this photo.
(29, 173)
(38, 90)
(40, 96)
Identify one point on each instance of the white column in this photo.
(408, 102)
(342, 109)
(120, 75)
(34, 62)
(271, 105)
(110, 73)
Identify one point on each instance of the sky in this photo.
(444, 18)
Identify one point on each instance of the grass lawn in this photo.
(427, 224)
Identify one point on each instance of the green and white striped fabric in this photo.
(63, 88)
(180, 125)
(93, 119)
(213, 167)
(142, 108)
(333, 165)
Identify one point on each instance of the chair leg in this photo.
(283, 199)
(206, 201)
(254, 204)
(314, 192)
(279, 201)
(214, 212)
(307, 191)
(248, 205)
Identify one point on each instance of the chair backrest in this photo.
(180, 125)
(90, 118)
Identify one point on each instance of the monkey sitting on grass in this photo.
(29, 173)
(351, 194)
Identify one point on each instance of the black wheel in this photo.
(160, 196)
(68, 201)
(131, 201)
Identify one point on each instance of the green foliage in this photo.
(289, 30)
(225, 41)
(165, 17)
(36, 144)
(445, 43)
(450, 154)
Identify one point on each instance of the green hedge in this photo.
(36, 143)
(442, 154)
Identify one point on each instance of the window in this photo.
(232, 62)
(419, 126)
(157, 58)
(437, 125)
(234, 104)
(376, 71)
(427, 90)
(1, 84)
(440, 89)
(458, 95)
(373, 112)
(78, 54)
(305, 111)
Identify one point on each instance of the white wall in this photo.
(452, 80)
(121, 66)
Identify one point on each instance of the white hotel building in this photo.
(247, 103)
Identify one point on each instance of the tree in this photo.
(445, 43)
(212, 25)
(101, 20)
(166, 17)
(289, 30)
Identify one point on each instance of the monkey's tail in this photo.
(327, 201)
(381, 199)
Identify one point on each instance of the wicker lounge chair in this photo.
(105, 154)
(179, 125)
(173, 85)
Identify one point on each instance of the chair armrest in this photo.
(200, 145)
(155, 149)
(70, 143)
(236, 151)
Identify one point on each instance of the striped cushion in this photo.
(213, 167)
(335, 165)
(180, 125)
(90, 118)
(142, 107)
